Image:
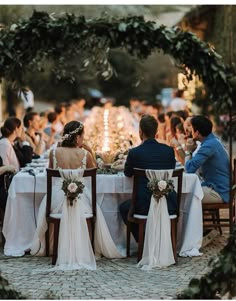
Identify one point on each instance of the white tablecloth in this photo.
(22, 209)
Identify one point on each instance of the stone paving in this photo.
(113, 279)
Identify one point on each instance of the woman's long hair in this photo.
(71, 130)
(9, 126)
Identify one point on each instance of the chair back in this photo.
(232, 210)
(234, 173)
(138, 172)
(212, 217)
(54, 173)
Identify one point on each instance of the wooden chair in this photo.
(142, 219)
(55, 218)
(7, 176)
(211, 211)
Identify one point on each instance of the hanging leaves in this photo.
(42, 37)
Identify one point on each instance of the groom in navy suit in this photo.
(150, 154)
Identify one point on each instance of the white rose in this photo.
(72, 187)
(121, 156)
(100, 164)
(162, 185)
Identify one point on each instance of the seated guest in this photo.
(213, 160)
(161, 133)
(174, 120)
(180, 133)
(150, 154)
(13, 151)
(33, 136)
(50, 129)
(182, 114)
(178, 102)
(60, 109)
(181, 145)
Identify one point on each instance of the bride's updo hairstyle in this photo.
(9, 126)
(71, 130)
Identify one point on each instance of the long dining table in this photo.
(26, 193)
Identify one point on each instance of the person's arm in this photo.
(180, 153)
(89, 149)
(203, 154)
(7, 168)
(49, 138)
(129, 167)
(90, 161)
(41, 145)
(6, 151)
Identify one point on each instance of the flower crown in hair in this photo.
(68, 136)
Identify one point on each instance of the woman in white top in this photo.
(11, 129)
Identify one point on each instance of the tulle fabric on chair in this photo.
(74, 245)
(157, 250)
(104, 244)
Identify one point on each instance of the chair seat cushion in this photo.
(56, 215)
(173, 216)
(88, 215)
(59, 215)
(140, 216)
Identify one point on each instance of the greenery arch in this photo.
(33, 41)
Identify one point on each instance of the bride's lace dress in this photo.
(104, 244)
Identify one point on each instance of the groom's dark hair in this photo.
(148, 125)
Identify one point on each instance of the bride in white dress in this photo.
(73, 154)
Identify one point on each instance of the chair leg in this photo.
(55, 242)
(93, 233)
(140, 241)
(3, 240)
(173, 237)
(47, 241)
(91, 227)
(218, 220)
(214, 217)
(128, 240)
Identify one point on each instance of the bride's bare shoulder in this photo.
(72, 150)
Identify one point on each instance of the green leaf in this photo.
(122, 27)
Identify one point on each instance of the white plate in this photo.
(24, 169)
(40, 161)
(34, 164)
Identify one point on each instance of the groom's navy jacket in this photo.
(150, 155)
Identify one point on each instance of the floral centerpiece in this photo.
(104, 168)
(72, 189)
(160, 188)
(101, 133)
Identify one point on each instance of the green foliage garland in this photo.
(6, 292)
(44, 37)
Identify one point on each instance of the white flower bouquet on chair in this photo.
(72, 189)
(160, 188)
